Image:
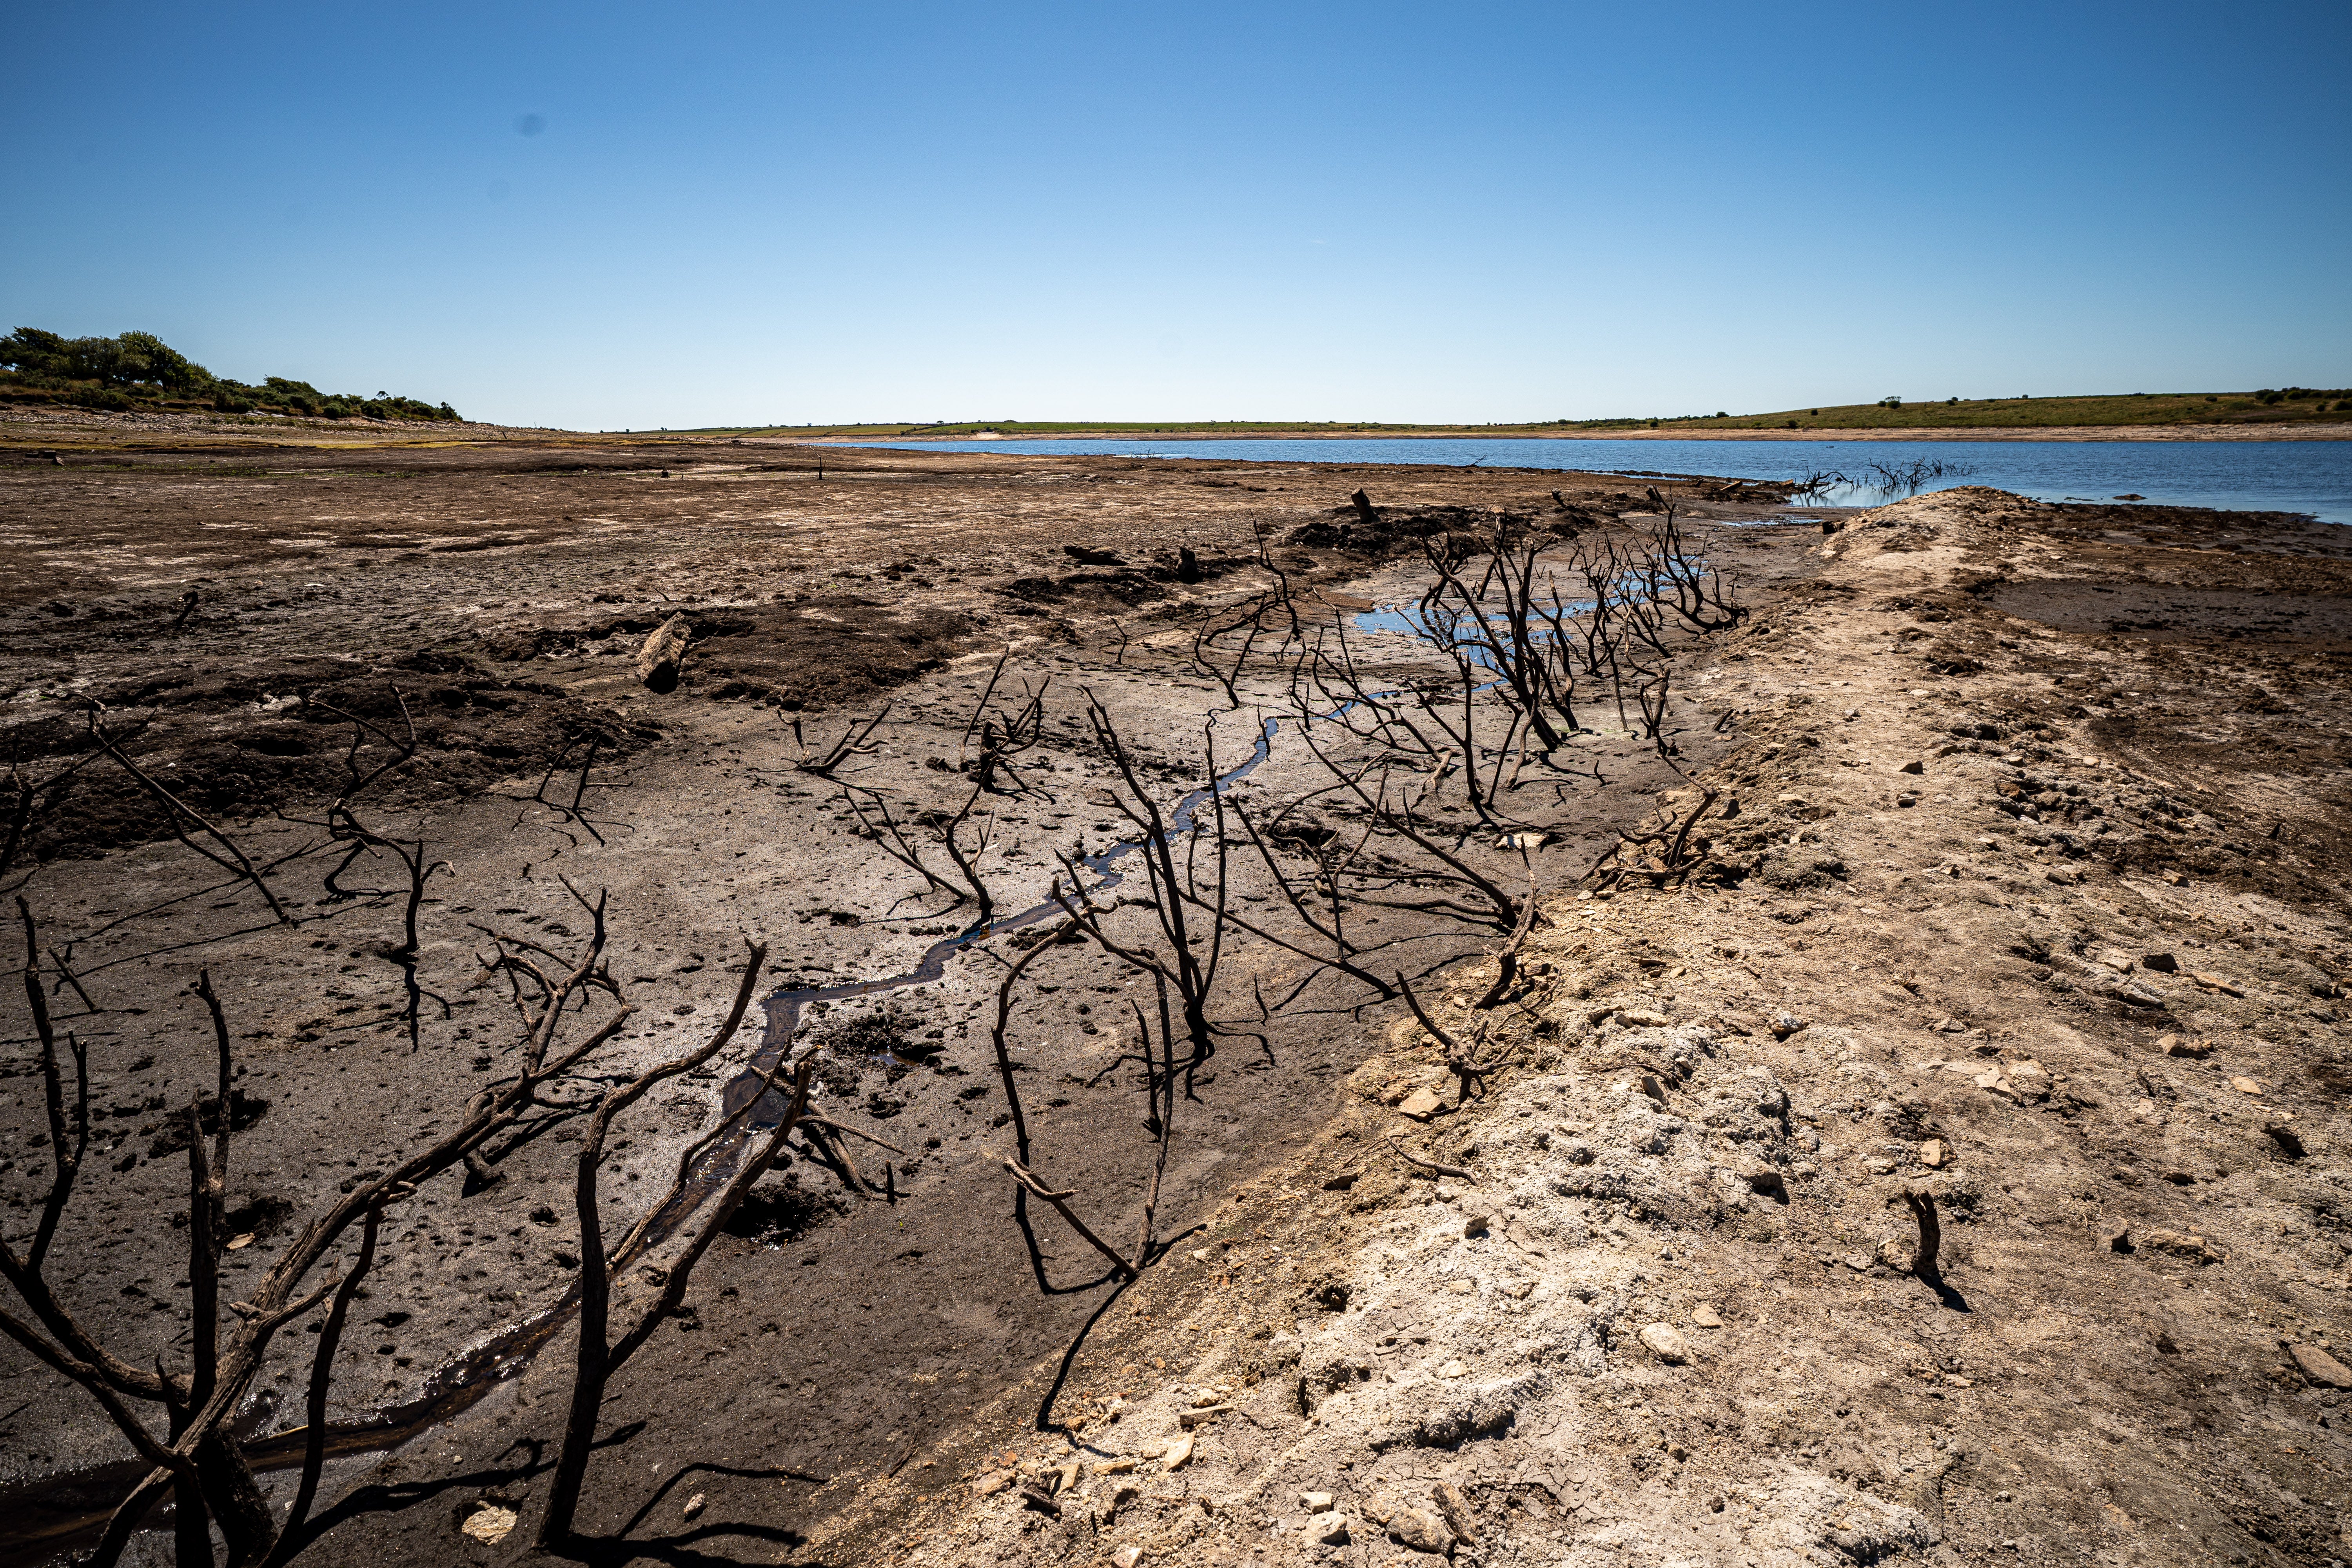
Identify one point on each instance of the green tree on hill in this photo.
(120, 372)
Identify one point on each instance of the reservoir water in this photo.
(2309, 477)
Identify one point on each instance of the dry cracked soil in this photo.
(2017, 902)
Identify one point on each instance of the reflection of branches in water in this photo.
(1881, 480)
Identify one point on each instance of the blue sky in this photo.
(611, 216)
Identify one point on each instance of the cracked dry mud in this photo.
(1665, 1315)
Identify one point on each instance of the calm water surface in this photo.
(2310, 477)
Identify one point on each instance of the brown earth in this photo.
(850, 1366)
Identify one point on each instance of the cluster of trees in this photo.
(140, 368)
(2271, 397)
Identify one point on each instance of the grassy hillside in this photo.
(2270, 406)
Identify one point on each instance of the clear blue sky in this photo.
(775, 213)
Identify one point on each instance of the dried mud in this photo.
(858, 1376)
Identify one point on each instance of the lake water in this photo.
(2311, 477)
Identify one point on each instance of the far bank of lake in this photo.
(2300, 475)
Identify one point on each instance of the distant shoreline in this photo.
(2332, 432)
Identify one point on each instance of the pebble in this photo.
(1316, 1502)
(2214, 983)
(488, 1523)
(1454, 1369)
(2245, 1085)
(1704, 1316)
(1128, 1556)
(2320, 1367)
(1456, 1510)
(2181, 1045)
(1421, 1105)
(1410, 1527)
(1786, 1024)
(1179, 1454)
(693, 1505)
(1328, 1529)
(1666, 1344)
(1933, 1153)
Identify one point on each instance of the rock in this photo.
(663, 650)
(1200, 1413)
(2182, 1244)
(1635, 1018)
(1786, 1024)
(1453, 1368)
(489, 1523)
(2139, 993)
(1704, 1316)
(2115, 1236)
(2320, 1367)
(1859, 1262)
(1316, 1502)
(992, 1483)
(1115, 1468)
(1179, 1454)
(2181, 1045)
(1665, 1343)
(2214, 983)
(2162, 963)
(1127, 1556)
(1878, 1165)
(1410, 1527)
(1328, 1529)
(1421, 1105)
(1914, 766)
(2028, 1081)
(1456, 1509)
(693, 1506)
(2245, 1085)
(1933, 1153)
